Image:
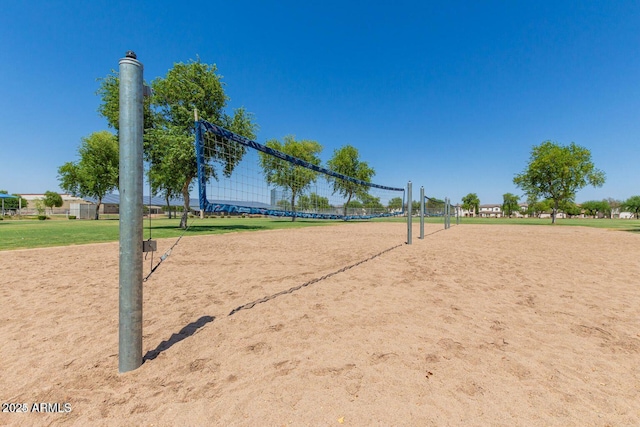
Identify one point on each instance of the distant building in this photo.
(490, 211)
(67, 200)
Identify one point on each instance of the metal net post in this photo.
(409, 219)
(130, 263)
(422, 212)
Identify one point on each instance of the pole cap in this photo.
(131, 54)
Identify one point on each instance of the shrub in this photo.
(42, 217)
(72, 217)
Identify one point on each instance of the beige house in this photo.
(67, 200)
(490, 211)
(494, 210)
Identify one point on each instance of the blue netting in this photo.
(254, 207)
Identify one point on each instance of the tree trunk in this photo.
(187, 208)
(293, 205)
(168, 205)
(347, 204)
(98, 208)
(554, 212)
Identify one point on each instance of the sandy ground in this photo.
(472, 326)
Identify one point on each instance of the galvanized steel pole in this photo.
(409, 219)
(422, 212)
(130, 134)
(446, 208)
(445, 213)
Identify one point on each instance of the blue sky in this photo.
(450, 95)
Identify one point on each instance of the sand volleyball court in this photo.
(477, 325)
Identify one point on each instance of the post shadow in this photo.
(184, 333)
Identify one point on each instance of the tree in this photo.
(346, 161)
(615, 206)
(109, 108)
(169, 153)
(510, 204)
(605, 208)
(570, 208)
(395, 204)
(188, 87)
(371, 202)
(595, 207)
(557, 172)
(318, 202)
(543, 206)
(287, 175)
(433, 203)
(52, 199)
(471, 202)
(632, 204)
(283, 204)
(97, 172)
(41, 208)
(169, 127)
(313, 202)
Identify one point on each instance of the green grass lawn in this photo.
(25, 234)
(617, 224)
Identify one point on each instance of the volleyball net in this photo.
(440, 208)
(239, 176)
(434, 207)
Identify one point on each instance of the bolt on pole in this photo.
(131, 180)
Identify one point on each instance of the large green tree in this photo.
(169, 127)
(471, 202)
(346, 161)
(296, 179)
(96, 173)
(52, 200)
(109, 108)
(632, 204)
(557, 172)
(510, 204)
(169, 153)
(186, 88)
